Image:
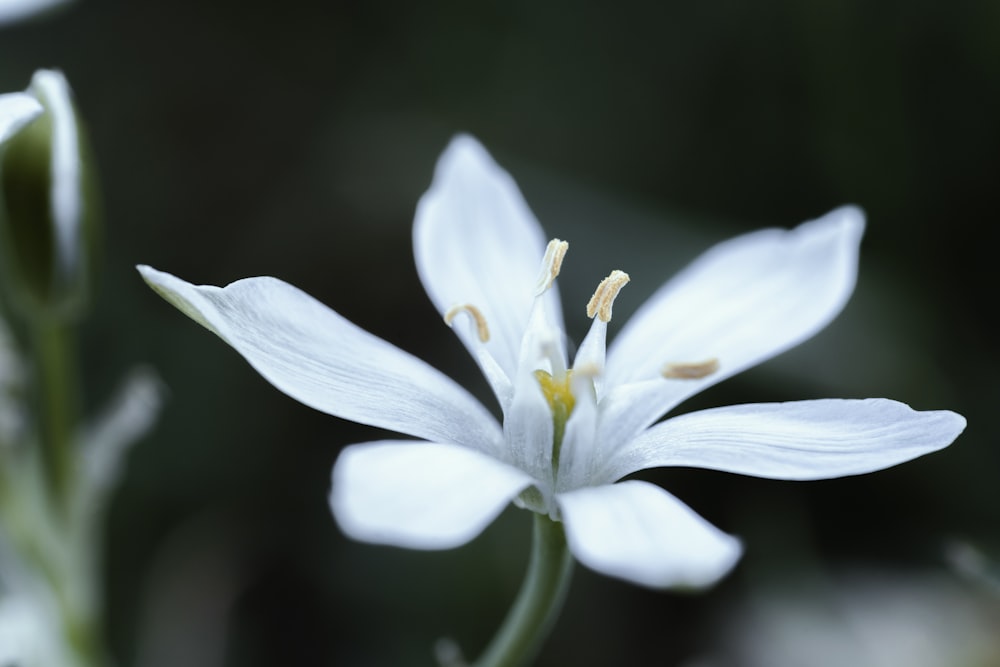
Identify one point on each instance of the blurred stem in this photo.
(75, 587)
(538, 603)
(57, 405)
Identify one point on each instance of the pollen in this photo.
(551, 265)
(557, 392)
(482, 330)
(690, 371)
(605, 294)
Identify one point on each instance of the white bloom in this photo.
(478, 250)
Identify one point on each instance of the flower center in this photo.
(557, 392)
(561, 402)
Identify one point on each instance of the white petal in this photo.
(798, 440)
(420, 495)
(16, 110)
(641, 533)
(578, 456)
(476, 242)
(319, 358)
(528, 428)
(742, 302)
(52, 89)
(12, 11)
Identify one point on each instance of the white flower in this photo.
(478, 251)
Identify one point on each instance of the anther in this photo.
(551, 264)
(482, 330)
(694, 371)
(604, 297)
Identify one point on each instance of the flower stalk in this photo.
(56, 404)
(539, 601)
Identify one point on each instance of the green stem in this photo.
(538, 603)
(57, 406)
(56, 391)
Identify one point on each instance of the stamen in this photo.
(551, 264)
(604, 297)
(588, 370)
(482, 330)
(694, 371)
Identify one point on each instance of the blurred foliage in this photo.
(294, 139)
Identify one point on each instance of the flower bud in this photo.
(48, 209)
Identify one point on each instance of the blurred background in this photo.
(294, 139)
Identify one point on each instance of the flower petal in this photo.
(578, 456)
(16, 110)
(638, 532)
(420, 495)
(477, 243)
(798, 440)
(742, 302)
(528, 428)
(319, 358)
(52, 90)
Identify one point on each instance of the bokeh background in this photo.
(294, 139)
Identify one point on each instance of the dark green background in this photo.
(294, 139)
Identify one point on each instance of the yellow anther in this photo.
(551, 264)
(588, 370)
(604, 297)
(694, 371)
(557, 392)
(482, 330)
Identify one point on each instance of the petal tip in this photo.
(146, 271)
(728, 550)
(846, 222)
(851, 218)
(953, 424)
(463, 153)
(156, 279)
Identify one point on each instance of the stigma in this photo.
(557, 392)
